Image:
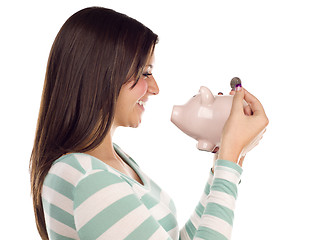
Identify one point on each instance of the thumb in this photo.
(238, 100)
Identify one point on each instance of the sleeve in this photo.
(105, 207)
(213, 216)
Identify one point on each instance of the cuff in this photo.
(227, 170)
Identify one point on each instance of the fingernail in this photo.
(238, 87)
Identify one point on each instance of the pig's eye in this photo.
(194, 95)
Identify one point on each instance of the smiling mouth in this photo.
(141, 103)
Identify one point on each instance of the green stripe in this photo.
(172, 207)
(190, 228)
(229, 164)
(207, 233)
(54, 235)
(155, 190)
(98, 164)
(220, 211)
(58, 214)
(108, 217)
(168, 222)
(93, 183)
(59, 184)
(73, 162)
(225, 186)
(149, 200)
(199, 209)
(207, 189)
(144, 230)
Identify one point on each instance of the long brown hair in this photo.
(96, 51)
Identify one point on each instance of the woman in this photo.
(99, 76)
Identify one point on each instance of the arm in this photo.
(217, 219)
(241, 133)
(213, 216)
(105, 207)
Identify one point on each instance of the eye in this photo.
(147, 71)
(146, 75)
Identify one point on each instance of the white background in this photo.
(271, 45)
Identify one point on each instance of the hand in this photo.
(244, 127)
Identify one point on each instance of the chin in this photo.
(132, 122)
(135, 124)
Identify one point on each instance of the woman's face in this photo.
(131, 102)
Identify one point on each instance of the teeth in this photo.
(141, 103)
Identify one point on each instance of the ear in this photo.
(207, 97)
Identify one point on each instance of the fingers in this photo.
(254, 103)
(254, 106)
(248, 110)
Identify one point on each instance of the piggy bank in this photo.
(203, 117)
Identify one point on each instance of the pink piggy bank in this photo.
(203, 117)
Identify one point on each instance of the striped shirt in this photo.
(84, 198)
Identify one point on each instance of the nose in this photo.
(175, 115)
(153, 86)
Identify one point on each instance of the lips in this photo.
(141, 103)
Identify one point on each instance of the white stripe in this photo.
(184, 235)
(217, 224)
(140, 191)
(164, 198)
(112, 170)
(85, 161)
(159, 234)
(99, 201)
(59, 200)
(67, 172)
(127, 224)
(60, 228)
(203, 198)
(203, 201)
(159, 211)
(210, 179)
(228, 169)
(223, 199)
(174, 233)
(195, 219)
(145, 178)
(229, 176)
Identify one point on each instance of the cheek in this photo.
(141, 87)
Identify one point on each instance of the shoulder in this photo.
(77, 162)
(73, 168)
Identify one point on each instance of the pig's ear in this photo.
(207, 97)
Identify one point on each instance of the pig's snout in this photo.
(175, 115)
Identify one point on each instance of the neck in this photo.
(105, 150)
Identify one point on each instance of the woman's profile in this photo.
(84, 186)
